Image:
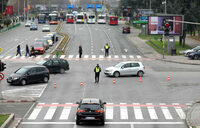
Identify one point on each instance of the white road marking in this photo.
(123, 56)
(123, 112)
(42, 90)
(38, 57)
(102, 50)
(93, 56)
(109, 111)
(66, 111)
(15, 57)
(172, 123)
(70, 56)
(86, 56)
(139, 57)
(54, 56)
(116, 56)
(62, 56)
(137, 111)
(101, 56)
(77, 56)
(179, 111)
(131, 56)
(125, 50)
(166, 112)
(47, 56)
(151, 111)
(35, 112)
(50, 112)
(132, 126)
(22, 57)
(7, 57)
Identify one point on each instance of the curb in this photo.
(177, 62)
(17, 101)
(8, 121)
(18, 123)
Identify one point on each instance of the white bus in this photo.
(91, 19)
(101, 19)
(80, 18)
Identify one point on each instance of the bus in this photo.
(113, 20)
(80, 18)
(62, 15)
(101, 19)
(53, 19)
(41, 19)
(91, 19)
(69, 18)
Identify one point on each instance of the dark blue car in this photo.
(194, 55)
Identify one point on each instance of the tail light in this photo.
(79, 111)
(144, 67)
(99, 111)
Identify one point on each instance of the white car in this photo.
(126, 68)
(28, 23)
(49, 40)
(45, 28)
(187, 52)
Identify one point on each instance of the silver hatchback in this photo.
(125, 69)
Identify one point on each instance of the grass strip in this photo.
(3, 118)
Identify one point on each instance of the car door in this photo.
(49, 65)
(56, 65)
(134, 68)
(32, 75)
(125, 69)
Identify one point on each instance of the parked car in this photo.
(126, 29)
(194, 55)
(28, 23)
(45, 28)
(29, 74)
(187, 52)
(45, 42)
(90, 110)
(55, 65)
(39, 48)
(33, 27)
(126, 68)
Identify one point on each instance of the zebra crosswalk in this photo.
(113, 112)
(76, 57)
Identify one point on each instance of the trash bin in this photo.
(173, 52)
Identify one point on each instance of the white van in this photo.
(101, 19)
(91, 19)
(80, 18)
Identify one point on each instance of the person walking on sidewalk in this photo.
(33, 52)
(97, 71)
(27, 50)
(18, 50)
(106, 47)
(80, 51)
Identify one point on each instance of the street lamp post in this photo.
(165, 2)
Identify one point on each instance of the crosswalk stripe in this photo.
(131, 56)
(66, 112)
(123, 56)
(166, 112)
(93, 56)
(7, 57)
(137, 111)
(109, 57)
(101, 56)
(116, 56)
(123, 111)
(47, 56)
(38, 57)
(179, 111)
(86, 56)
(35, 112)
(139, 57)
(54, 56)
(62, 56)
(151, 111)
(109, 111)
(1, 57)
(14, 57)
(50, 112)
(77, 56)
(70, 56)
(22, 57)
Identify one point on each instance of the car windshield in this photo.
(90, 107)
(21, 70)
(37, 45)
(101, 17)
(45, 26)
(119, 65)
(80, 17)
(42, 62)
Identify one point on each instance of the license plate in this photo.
(36, 51)
(9, 80)
(89, 118)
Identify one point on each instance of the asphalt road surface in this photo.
(153, 103)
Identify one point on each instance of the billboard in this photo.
(156, 25)
(9, 10)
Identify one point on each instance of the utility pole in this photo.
(24, 9)
(2, 6)
(18, 8)
(165, 7)
(28, 9)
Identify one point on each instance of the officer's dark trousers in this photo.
(97, 77)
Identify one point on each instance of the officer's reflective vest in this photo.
(107, 46)
(97, 69)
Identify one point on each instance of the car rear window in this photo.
(90, 106)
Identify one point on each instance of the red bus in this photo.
(113, 20)
(69, 18)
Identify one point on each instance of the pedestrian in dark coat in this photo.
(18, 50)
(27, 50)
(97, 71)
(33, 52)
(80, 51)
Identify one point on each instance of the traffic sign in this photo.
(1, 50)
(1, 76)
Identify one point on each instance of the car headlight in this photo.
(15, 78)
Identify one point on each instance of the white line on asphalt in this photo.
(139, 57)
(137, 111)
(47, 56)
(101, 56)
(116, 56)
(29, 110)
(132, 126)
(75, 126)
(166, 112)
(151, 111)
(35, 112)
(93, 56)
(70, 56)
(66, 111)
(77, 56)
(86, 56)
(131, 56)
(7, 57)
(179, 111)
(38, 57)
(50, 112)
(109, 111)
(125, 50)
(123, 111)
(167, 123)
(123, 56)
(62, 56)
(42, 91)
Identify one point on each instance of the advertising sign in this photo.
(9, 10)
(156, 25)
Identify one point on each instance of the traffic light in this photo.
(2, 66)
(167, 29)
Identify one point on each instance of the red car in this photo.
(39, 48)
(70, 18)
(126, 29)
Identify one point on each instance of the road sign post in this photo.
(1, 78)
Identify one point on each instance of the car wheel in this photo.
(62, 70)
(45, 79)
(77, 122)
(196, 57)
(116, 74)
(103, 122)
(23, 82)
(140, 73)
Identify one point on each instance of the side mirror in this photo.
(104, 102)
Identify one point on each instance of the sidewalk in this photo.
(149, 52)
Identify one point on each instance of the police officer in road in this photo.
(97, 71)
(106, 47)
(80, 51)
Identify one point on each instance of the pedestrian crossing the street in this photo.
(113, 112)
(76, 57)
